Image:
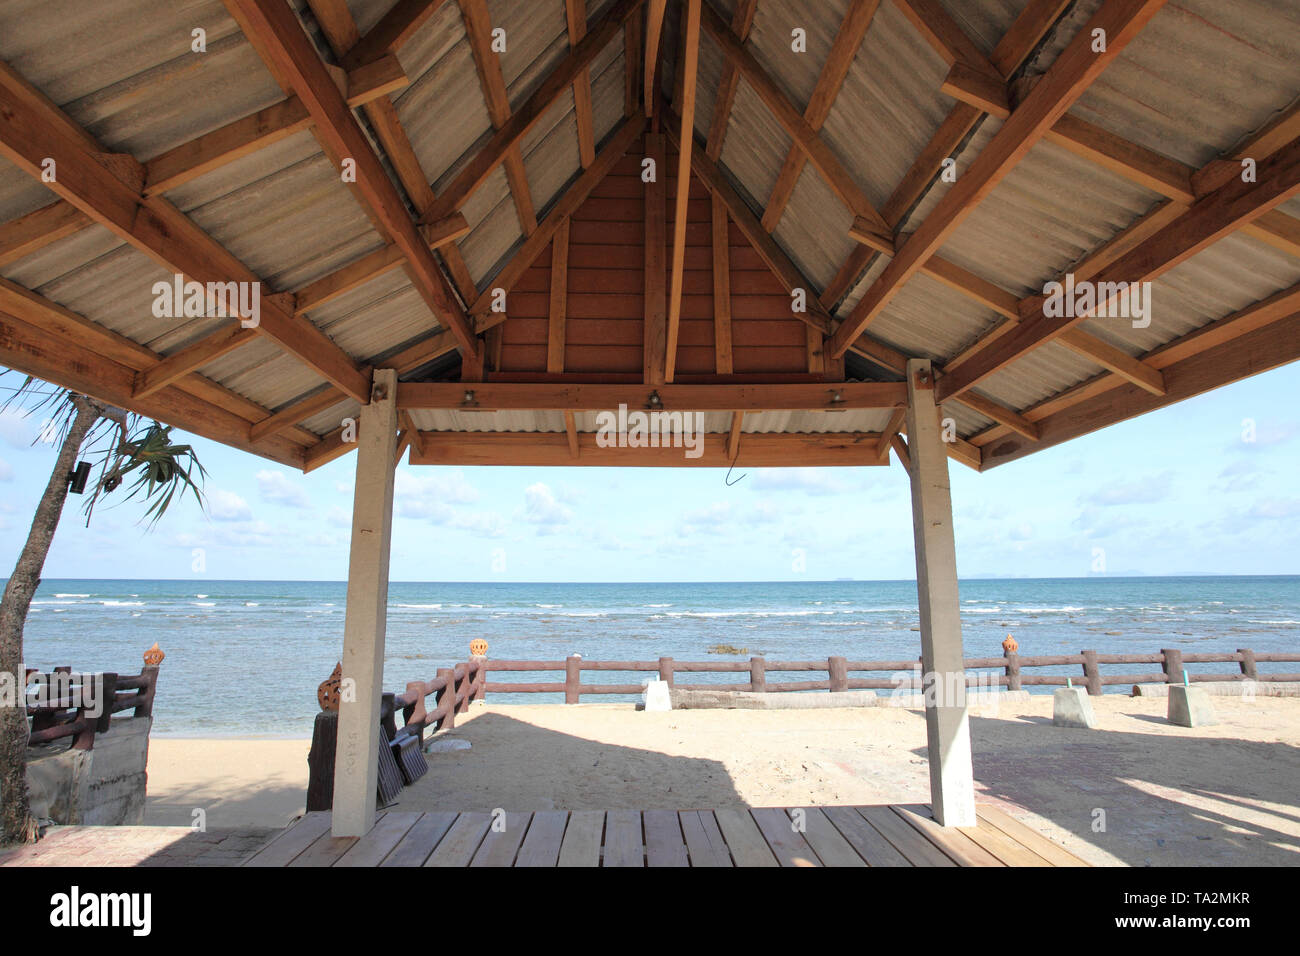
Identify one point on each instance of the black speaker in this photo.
(78, 477)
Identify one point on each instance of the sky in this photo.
(1206, 486)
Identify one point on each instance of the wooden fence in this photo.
(452, 689)
(86, 703)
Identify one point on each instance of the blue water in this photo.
(244, 657)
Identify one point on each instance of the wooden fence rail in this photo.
(83, 705)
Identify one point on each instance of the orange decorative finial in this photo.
(154, 656)
(1010, 645)
(478, 647)
(327, 694)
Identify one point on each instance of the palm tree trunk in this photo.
(16, 823)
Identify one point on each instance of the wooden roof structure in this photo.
(839, 186)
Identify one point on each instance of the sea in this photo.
(244, 658)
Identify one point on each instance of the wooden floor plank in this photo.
(958, 846)
(282, 850)
(905, 839)
(419, 842)
(582, 838)
(461, 842)
(499, 847)
(664, 845)
(623, 839)
(864, 838)
(545, 835)
(744, 839)
(827, 842)
(374, 847)
(1007, 850)
(1037, 842)
(704, 840)
(787, 845)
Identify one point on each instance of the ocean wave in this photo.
(1249, 621)
(122, 603)
(72, 595)
(423, 607)
(204, 603)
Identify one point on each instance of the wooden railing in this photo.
(1010, 674)
(86, 704)
(452, 688)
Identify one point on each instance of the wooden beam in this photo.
(1113, 360)
(1026, 33)
(834, 70)
(805, 137)
(945, 37)
(575, 12)
(655, 340)
(1210, 219)
(742, 21)
(722, 363)
(545, 396)
(1256, 351)
(1000, 414)
(351, 276)
(685, 144)
(478, 27)
(559, 299)
(289, 47)
(299, 411)
(570, 432)
(35, 130)
(890, 433)
(899, 444)
(534, 449)
(394, 28)
(654, 29)
(565, 207)
(30, 233)
(733, 439)
(1066, 80)
(181, 363)
(476, 171)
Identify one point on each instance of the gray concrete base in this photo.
(1189, 707)
(974, 700)
(1071, 708)
(1227, 688)
(101, 787)
(684, 699)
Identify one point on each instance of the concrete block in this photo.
(1189, 706)
(657, 696)
(691, 699)
(1071, 708)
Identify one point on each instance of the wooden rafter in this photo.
(655, 338)
(686, 142)
(891, 430)
(35, 129)
(477, 170)
(805, 137)
(392, 30)
(478, 27)
(1211, 218)
(722, 357)
(36, 230)
(1066, 80)
(284, 42)
(575, 12)
(559, 298)
(654, 30)
(733, 438)
(742, 21)
(834, 71)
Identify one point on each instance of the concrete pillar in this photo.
(952, 787)
(357, 764)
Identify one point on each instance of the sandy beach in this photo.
(1220, 795)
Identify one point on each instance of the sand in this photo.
(1221, 795)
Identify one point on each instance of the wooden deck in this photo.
(830, 836)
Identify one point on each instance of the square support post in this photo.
(356, 766)
(947, 727)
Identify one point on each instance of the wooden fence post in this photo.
(107, 693)
(448, 719)
(572, 678)
(837, 670)
(1248, 665)
(666, 670)
(1012, 669)
(758, 675)
(1091, 673)
(468, 681)
(1173, 665)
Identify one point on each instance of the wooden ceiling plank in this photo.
(1065, 81)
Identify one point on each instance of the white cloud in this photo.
(227, 506)
(277, 487)
(16, 428)
(541, 507)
